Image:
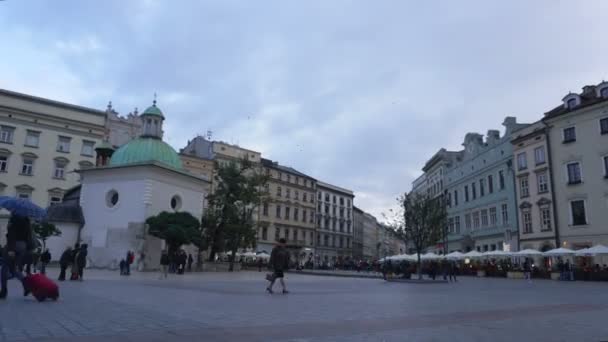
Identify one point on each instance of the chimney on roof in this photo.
(493, 136)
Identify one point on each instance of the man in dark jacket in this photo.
(64, 262)
(279, 262)
(19, 241)
(81, 260)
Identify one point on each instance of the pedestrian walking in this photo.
(129, 259)
(527, 271)
(190, 261)
(452, 271)
(279, 261)
(64, 262)
(164, 264)
(74, 262)
(81, 260)
(19, 241)
(45, 258)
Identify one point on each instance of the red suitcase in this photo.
(42, 287)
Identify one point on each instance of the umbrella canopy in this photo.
(472, 254)
(595, 250)
(528, 252)
(22, 207)
(263, 255)
(404, 257)
(455, 255)
(497, 253)
(559, 251)
(430, 256)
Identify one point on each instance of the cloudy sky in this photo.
(355, 93)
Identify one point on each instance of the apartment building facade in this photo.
(334, 223)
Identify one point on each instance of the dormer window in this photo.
(604, 92)
(571, 103)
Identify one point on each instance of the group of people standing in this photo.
(76, 258)
(177, 262)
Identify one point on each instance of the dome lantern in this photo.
(152, 119)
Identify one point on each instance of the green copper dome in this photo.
(143, 150)
(153, 110)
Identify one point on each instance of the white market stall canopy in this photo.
(430, 256)
(262, 256)
(528, 252)
(498, 253)
(473, 254)
(455, 255)
(591, 251)
(559, 251)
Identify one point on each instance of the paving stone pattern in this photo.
(234, 307)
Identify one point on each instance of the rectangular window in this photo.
(490, 184)
(455, 197)
(3, 163)
(59, 171)
(334, 199)
(28, 167)
(522, 162)
(326, 240)
(545, 218)
(333, 224)
(501, 180)
(484, 217)
(296, 214)
(278, 211)
(579, 216)
(24, 195)
(286, 234)
(265, 209)
(482, 187)
(304, 198)
(304, 213)
(457, 224)
(574, 173)
(449, 203)
(312, 217)
(287, 213)
(505, 215)
(32, 138)
(277, 233)
(476, 220)
(451, 225)
(569, 135)
(279, 191)
(6, 134)
(63, 144)
(605, 159)
(604, 126)
(493, 216)
(54, 200)
(288, 193)
(527, 220)
(524, 189)
(474, 190)
(327, 209)
(88, 148)
(543, 183)
(467, 221)
(539, 155)
(466, 193)
(348, 227)
(265, 233)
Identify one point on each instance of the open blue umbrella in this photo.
(22, 207)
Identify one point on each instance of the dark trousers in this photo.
(12, 265)
(62, 272)
(128, 268)
(80, 272)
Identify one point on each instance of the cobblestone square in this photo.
(234, 307)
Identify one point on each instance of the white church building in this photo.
(108, 210)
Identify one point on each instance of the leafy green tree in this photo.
(230, 222)
(421, 222)
(177, 229)
(45, 230)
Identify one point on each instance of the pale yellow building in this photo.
(578, 135)
(41, 142)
